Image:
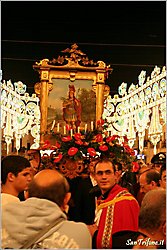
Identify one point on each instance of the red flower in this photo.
(85, 143)
(46, 144)
(132, 152)
(72, 151)
(79, 142)
(99, 138)
(135, 167)
(57, 145)
(100, 122)
(53, 147)
(103, 148)
(58, 158)
(128, 149)
(111, 138)
(91, 151)
(125, 138)
(77, 136)
(66, 138)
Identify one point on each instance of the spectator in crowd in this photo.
(84, 198)
(163, 176)
(15, 176)
(48, 196)
(157, 160)
(140, 194)
(118, 172)
(34, 158)
(149, 180)
(117, 209)
(152, 225)
(152, 221)
(128, 181)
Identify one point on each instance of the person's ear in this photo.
(153, 184)
(164, 228)
(67, 198)
(11, 177)
(65, 206)
(117, 173)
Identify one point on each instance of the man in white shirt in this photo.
(15, 176)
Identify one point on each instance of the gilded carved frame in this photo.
(75, 65)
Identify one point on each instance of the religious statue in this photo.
(72, 109)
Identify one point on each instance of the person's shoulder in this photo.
(77, 226)
(8, 198)
(79, 232)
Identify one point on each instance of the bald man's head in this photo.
(48, 177)
(153, 210)
(49, 184)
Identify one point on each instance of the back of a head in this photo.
(152, 175)
(13, 164)
(153, 210)
(49, 184)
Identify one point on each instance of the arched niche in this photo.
(73, 67)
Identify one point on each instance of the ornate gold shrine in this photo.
(72, 65)
(71, 168)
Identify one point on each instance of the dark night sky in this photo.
(128, 35)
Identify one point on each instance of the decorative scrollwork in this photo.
(142, 107)
(73, 56)
(19, 112)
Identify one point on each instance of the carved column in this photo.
(43, 104)
(99, 101)
(100, 93)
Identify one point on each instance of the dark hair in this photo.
(153, 209)
(152, 175)
(128, 181)
(54, 192)
(162, 169)
(105, 160)
(13, 164)
(159, 158)
(118, 166)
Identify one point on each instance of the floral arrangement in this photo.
(89, 145)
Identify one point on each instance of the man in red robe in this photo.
(118, 209)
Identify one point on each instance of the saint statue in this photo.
(72, 109)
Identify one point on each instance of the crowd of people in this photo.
(104, 208)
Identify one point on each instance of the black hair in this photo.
(118, 166)
(152, 175)
(105, 160)
(13, 164)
